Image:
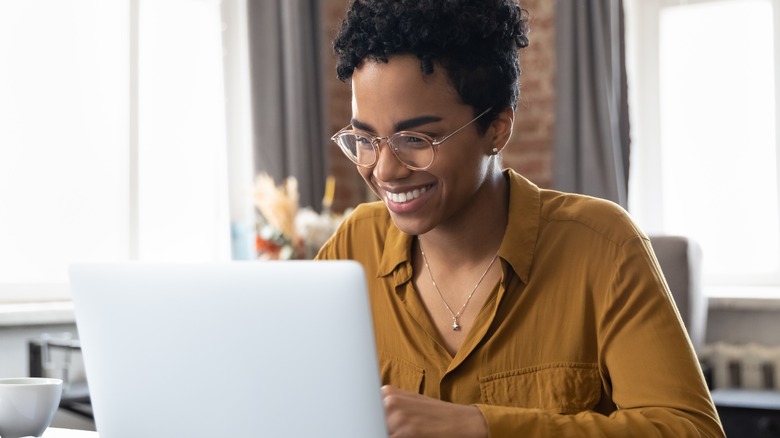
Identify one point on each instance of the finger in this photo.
(391, 398)
(390, 402)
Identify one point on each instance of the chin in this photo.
(410, 226)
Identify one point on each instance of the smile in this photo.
(400, 198)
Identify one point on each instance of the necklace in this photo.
(455, 316)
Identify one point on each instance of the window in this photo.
(112, 137)
(182, 156)
(704, 105)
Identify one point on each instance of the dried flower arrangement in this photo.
(286, 231)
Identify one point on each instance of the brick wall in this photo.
(530, 149)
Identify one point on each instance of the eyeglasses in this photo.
(414, 150)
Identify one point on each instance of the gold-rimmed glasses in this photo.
(414, 150)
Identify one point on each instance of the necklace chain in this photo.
(455, 316)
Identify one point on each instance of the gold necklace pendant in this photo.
(455, 325)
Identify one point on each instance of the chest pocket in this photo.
(564, 388)
(400, 373)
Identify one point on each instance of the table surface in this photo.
(55, 432)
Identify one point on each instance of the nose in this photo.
(388, 167)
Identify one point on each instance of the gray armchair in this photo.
(680, 259)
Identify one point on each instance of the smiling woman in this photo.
(112, 138)
(500, 308)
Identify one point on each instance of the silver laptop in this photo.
(237, 349)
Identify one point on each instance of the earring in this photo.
(495, 151)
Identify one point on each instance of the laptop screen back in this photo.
(269, 349)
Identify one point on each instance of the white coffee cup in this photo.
(27, 405)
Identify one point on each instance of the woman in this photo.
(500, 309)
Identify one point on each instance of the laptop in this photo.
(234, 349)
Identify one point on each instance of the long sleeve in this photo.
(646, 359)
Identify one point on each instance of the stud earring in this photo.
(495, 151)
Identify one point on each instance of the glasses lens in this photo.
(412, 150)
(358, 148)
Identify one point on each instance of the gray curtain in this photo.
(591, 119)
(289, 135)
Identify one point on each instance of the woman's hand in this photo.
(417, 416)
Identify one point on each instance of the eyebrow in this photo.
(403, 125)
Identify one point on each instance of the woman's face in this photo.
(394, 96)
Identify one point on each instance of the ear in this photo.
(501, 128)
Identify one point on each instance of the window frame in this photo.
(237, 170)
(643, 37)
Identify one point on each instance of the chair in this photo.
(681, 262)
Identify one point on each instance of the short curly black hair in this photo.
(477, 42)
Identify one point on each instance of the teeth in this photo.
(406, 197)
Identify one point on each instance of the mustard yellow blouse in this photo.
(579, 338)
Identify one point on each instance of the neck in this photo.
(475, 234)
